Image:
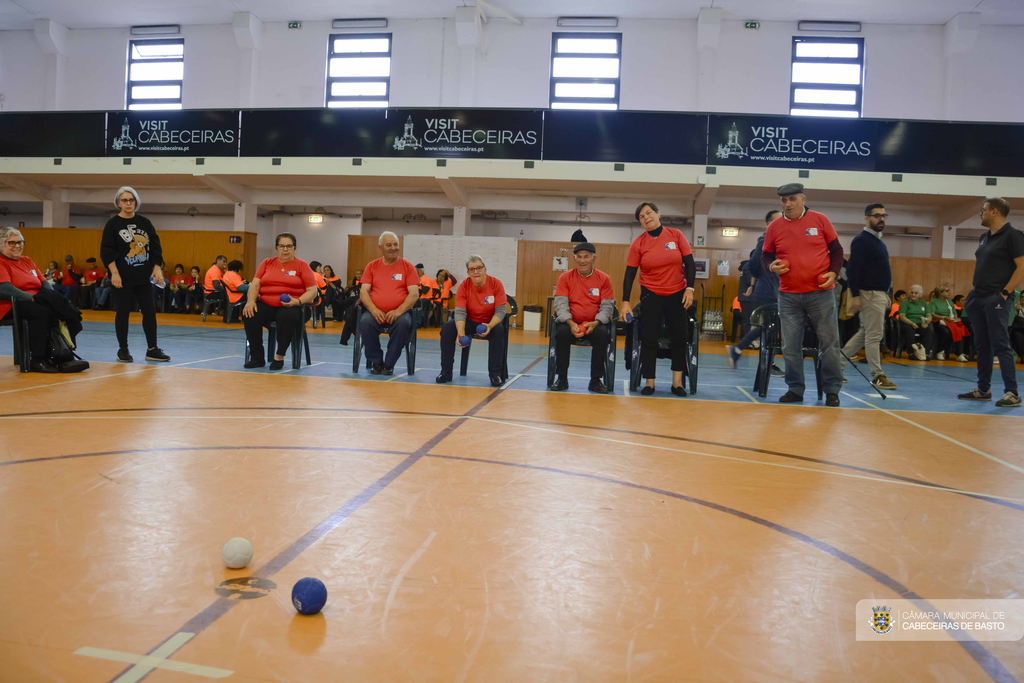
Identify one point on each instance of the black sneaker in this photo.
(975, 394)
(561, 384)
(377, 369)
(253, 363)
(124, 357)
(1009, 400)
(832, 400)
(277, 364)
(496, 381)
(597, 386)
(444, 377)
(157, 355)
(777, 371)
(388, 371)
(790, 397)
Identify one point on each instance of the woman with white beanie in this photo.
(131, 251)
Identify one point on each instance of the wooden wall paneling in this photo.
(53, 244)
(364, 248)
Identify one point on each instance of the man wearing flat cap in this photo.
(802, 247)
(584, 305)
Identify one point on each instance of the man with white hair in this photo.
(916, 320)
(389, 289)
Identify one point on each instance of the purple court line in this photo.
(218, 408)
(205, 448)
(222, 606)
(992, 666)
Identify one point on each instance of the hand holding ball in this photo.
(309, 595)
(285, 298)
(464, 341)
(481, 328)
(783, 264)
(236, 553)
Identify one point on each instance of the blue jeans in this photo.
(817, 309)
(990, 323)
(102, 294)
(398, 332)
(66, 291)
(755, 330)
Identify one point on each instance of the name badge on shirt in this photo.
(291, 273)
(34, 274)
(811, 231)
(488, 299)
(670, 245)
(396, 276)
(594, 291)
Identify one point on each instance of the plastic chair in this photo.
(609, 362)
(771, 346)
(300, 337)
(215, 298)
(231, 308)
(692, 351)
(19, 331)
(410, 346)
(513, 309)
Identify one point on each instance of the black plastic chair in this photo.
(771, 346)
(218, 297)
(692, 349)
(513, 309)
(610, 358)
(299, 338)
(19, 331)
(230, 309)
(410, 346)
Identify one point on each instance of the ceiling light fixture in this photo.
(830, 26)
(161, 30)
(359, 23)
(587, 22)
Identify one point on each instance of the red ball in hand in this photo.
(783, 264)
(823, 278)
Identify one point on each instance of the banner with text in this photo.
(205, 133)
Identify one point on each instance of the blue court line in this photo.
(992, 666)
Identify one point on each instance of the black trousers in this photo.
(288, 319)
(944, 340)
(910, 337)
(495, 346)
(598, 339)
(658, 307)
(39, 320)
(349, 316)
(124, 298)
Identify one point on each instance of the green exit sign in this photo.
(752, 24)
(294, 24)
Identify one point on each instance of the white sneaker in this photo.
(941, 355)
(918, 351)
(995, 361)
(962, 358)
(756, 345)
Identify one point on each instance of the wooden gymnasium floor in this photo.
(472, 534)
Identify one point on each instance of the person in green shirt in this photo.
(915, 320)
(944, 320)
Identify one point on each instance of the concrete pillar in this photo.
(249, 36)
(245, 217)
(56, 211)
(959, 37)
(709, 25)
(700, 230)
(460, 221)
(467, 33)
(53, 39)
(943, 242)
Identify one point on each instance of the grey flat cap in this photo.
(791, 188)
(584, 246)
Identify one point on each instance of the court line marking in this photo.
(301, 367)
(753, 462)
(625, 387)
(950, 439)
(114, 374)
(977, 651)
(392, 379)
(744, 391)
(170, 665)
(401, 577)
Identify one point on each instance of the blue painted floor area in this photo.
(926, 388)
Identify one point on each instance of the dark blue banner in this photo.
(192, 133)
(625, 136)
(51, 134)
(991, 149)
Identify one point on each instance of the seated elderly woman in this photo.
(480, 300)
(281, 286)
(916, 320)
(20, 280)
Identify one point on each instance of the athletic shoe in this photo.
(1009, 400)
(388, 371)
(732, 354)
(882, 382)
(756, 344)
(561, 384)
(123, 356)
(995, 361)
(790, 397)
(157, 355)
(597, 386)
(832, 400)
(777, 372)
(845, 380)
(377, 369)
(941, 355)
(918, 351)
(975, 394)
(962, 358)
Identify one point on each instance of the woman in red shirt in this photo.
(276, 277)
(665, 262)
(21, 280)
(179, 287)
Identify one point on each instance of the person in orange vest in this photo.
(737, 316)
(233, 282)
(426, 287)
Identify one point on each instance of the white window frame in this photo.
(854, 110)
(357, 100)
(556, 102)
(141, 103)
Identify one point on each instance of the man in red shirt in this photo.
(69, 279)
(803, 249)
(389, 288)
(584, 305)
(91, 279)
(479, 300)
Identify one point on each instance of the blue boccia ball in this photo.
(285, 298)
(464, 340)
(480, 329)
(309, 595)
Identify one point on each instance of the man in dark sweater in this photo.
(870, 278)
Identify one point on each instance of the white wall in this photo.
(905, 72)
(325, 242)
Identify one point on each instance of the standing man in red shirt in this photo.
(584, 305)
(803, 249)
(388, 291)
(479, 300)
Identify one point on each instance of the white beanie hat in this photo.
(138, 202)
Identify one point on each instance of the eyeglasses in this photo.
(474, 270)
(879, 215)
(16, 243)
(286, 246)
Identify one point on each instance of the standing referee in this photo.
(998, 270)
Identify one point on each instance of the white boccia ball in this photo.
(236, 553)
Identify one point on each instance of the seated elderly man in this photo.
(480, 300)
(584, 304)
(389, 289)
(915, 319)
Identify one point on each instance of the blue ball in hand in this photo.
(629, 317)
(481, 328)
(464, 340)
(309, 595)
(285, 298)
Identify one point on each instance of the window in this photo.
(585, 70)
(359, 70)
(155, 72)
(828, 77)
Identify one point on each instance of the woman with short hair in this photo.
(949, 331)
(281, 286)
(21, 280)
